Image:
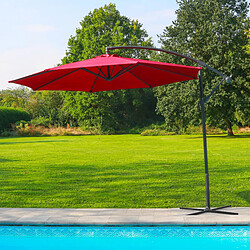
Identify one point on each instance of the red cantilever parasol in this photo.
(108, 72)
(111, 72)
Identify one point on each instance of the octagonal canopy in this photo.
(108, 72)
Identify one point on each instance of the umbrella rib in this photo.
(120, 72)
(40, 73)
(124, 70)
(112, 71)
(108, 72)
(100, 70)
(91, 90)
(64, 76)
(141, 80)
(93, 73)
(138, 77)
(167, 71)
(56, 79)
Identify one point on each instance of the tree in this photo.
(48, 105)
(213, 32)
(15, 98)
(43, 105)
(248, 45)
(118, 109)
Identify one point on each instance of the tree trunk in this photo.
(229, 128)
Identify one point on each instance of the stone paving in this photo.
(151, 216)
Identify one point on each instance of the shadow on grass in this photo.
(150, 175)
(245, 195)
(220, 137)
(22, 142)
(6, 160)
(139, 184)
(230, 137)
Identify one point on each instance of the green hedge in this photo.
(11, 115)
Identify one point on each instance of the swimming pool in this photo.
(127, 237)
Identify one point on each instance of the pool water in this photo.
(128, 237)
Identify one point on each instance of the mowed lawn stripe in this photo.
(122, 171)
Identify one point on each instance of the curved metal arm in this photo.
(227, 78)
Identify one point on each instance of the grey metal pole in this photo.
(227, 78)
(203, 116)
(203, 101)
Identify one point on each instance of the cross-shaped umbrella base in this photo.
(209, 210)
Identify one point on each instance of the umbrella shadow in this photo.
(230, 137)
(136, 172)
(2, 160)
(220, 137)
(142, 182)
(22, 142)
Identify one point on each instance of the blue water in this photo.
(129, 238)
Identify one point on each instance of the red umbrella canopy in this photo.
(108, 72)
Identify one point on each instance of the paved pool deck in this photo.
(151, 216)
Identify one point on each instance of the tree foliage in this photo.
(213, 32)
(117, 109)
(48, 105)
(248, 45)
(41, 104)
(15, 98)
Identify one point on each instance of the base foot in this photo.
(209, 210)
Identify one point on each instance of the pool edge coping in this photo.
(123, 225)
(117, 217)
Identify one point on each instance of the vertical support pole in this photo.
(203, 116)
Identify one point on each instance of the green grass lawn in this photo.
(123, 171)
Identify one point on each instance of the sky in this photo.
(35, 33)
